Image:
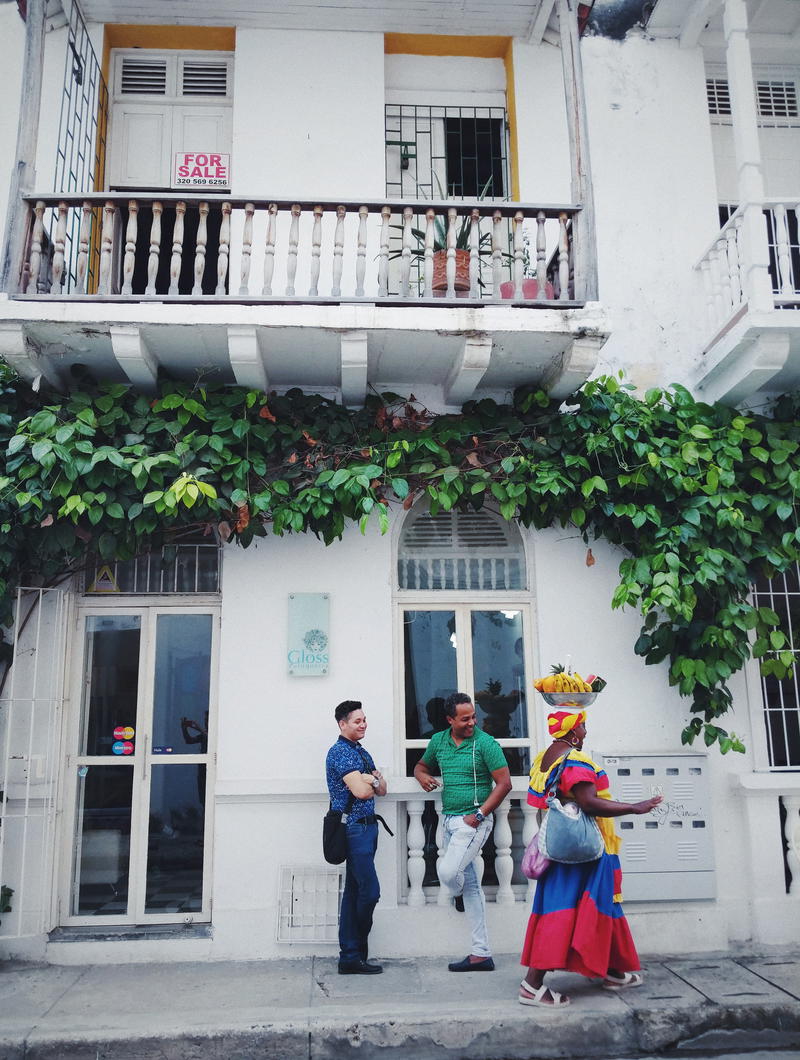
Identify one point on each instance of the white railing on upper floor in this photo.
(724, 266)
(167, 246)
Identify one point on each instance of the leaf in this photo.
(590, 560)
(399, 487)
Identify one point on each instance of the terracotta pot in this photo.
(440, 273)
(530, 288)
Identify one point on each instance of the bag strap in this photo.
(552, 783)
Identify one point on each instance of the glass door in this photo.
(140, 835)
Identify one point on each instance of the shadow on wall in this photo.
(613, 18)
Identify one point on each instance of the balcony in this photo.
(465, 298)
(752, 293)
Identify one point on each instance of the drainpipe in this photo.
(585, 238)
(23, 176)
(749, 174)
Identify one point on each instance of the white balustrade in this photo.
(176, 260)
(131, 233)
(416, 852)
(155, 249)
(300, 238)
(59, 243)
(791, 804)
(782, 250)
(503, 862)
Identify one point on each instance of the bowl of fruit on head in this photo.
(566, 688)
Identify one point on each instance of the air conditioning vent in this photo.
(144, 77)
(718, 94)
(205, 79)
(777, 99)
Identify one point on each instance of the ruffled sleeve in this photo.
(579, 769)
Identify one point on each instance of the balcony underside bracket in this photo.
(134, 357)
(469, 369)
(21, 354)
(750, 369)
(573, 366)
(247, 357)
(354, 367)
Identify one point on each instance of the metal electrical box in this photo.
(667, 854)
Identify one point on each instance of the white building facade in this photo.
(234, 196)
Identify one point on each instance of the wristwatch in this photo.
(480, 816)
(375, 783)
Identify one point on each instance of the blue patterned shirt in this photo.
(343, 758)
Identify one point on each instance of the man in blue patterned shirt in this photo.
(353, 783)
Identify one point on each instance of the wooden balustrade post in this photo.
(316, 250)
(155, 249)
(131, 233)
(563, 258)
(519, 254)
(224, 249)
(361, 254)
(405, 257)
(59, 245)
(200, 250)
(474, 253)
(383, 263)
(783, 251)
(247, 248)
(430, 239)
(497, 255)
(37, 239)
(732, 257)
(83, 248)
(416, 852)
(176, 259)
(791, 833)
(269, 250)
(338, 251)
(541, 255)
(294, 241)
(452, 214)
(504, 863)
(106, 249)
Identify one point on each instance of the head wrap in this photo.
(561, 722)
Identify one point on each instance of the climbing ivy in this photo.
(700, 498)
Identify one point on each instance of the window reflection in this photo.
(499, 673)
(430, 669)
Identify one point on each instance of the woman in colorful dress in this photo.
(577, 923)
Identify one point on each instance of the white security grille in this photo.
(205, 78)
(184, 568)
(308, 904)
(667, 854)
(777, 99)
(30, 724)
(781, 698)
(718, 94)
(460, 550)
(144, 77)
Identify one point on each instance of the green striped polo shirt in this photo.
(464, 789)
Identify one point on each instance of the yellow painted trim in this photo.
(511, 112)
(441, 44)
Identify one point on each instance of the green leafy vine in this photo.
(701, 498)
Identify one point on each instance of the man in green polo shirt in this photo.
(468, 761)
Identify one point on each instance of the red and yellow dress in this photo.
(577, 923)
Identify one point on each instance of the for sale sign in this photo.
(201, 169)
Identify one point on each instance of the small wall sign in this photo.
(201, 169)
(308, 652)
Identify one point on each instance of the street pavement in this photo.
(736, 1003)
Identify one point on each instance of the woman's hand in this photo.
(647, 805)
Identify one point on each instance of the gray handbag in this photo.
(568, 834)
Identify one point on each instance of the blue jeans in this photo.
(361, 892)
(462, 844)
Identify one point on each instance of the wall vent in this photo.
(777, 99)
(143, 77)
(205, 78)
(719, 96)
(308, 904)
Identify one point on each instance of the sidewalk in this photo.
(303, 1010)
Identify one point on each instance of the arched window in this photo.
(465, 618)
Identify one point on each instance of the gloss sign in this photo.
(201, 169)
(308, 647)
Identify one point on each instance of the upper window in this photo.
(460, 550)
(175, 75)
(776, 99)
(190, 565)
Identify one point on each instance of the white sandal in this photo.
(628, 980)
(534, 997)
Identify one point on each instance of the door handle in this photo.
(144, 763)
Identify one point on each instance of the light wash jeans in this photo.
(462, 844)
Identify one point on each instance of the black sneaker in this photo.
(458, 902)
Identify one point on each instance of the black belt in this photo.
(374, 818)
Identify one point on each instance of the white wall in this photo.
(655, 201)
(12, 48)
(543, 144)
